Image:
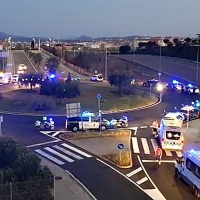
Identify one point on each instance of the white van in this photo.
(188, 168)
(170, 132)
(97, 78)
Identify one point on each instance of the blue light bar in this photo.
(190, 85)
(192, 151)
(198, 104)
(87, 114)
(52, 76)
(175, 82)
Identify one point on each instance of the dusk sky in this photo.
(96, 18)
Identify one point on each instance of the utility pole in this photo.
(106, 64)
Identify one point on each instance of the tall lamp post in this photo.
(106, 64)
(197, 72)
(160, 62)
(160, 90)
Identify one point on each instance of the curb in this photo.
(104, 112)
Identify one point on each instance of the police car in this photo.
(87, 121)
(190, 112)
(97, 78)
(175, 85)
(191, 89)
(152, 83)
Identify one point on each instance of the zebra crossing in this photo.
(62, 153)
(148, 146)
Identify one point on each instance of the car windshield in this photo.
(171, 135)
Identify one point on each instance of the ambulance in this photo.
(170, 132)
(5, 78)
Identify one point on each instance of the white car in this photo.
(97, 78)
(22, 67)
(20, 71)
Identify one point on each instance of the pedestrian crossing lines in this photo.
(62, 153)
(148, 146)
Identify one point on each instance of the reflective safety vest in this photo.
(44, 118)
(155, 125)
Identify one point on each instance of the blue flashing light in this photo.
(198, 104)
(190, 85)
(50, 119)
(175, 82)
(192, 151)
(52, 76)
(197, 101)
(87, 114)
(192, 103)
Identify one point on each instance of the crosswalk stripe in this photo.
(142, 180)
(135, 145)
(168, 153)
(59, 154)
(139, 169)
(67, 152)
(46, 155)
(76, 150)
(145, 146)
(154, 143)
(179, 153)
(56, 133)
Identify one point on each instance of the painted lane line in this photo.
(142, 180)
(163, 161)
(139, 169)
(40, 144)
(134, 129)
(168, 153)
(179, 153)
(67, 152)
(56, 133)
(155, 194)
(154, 144)
(145, 145)
(47, 134)
(143, 126)
(135, 145)
(145, 171)
(30, 62)
(46, 155)
(76, 150)
(58, 154)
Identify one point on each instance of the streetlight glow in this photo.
(160, 87)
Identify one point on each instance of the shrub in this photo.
(42, 104)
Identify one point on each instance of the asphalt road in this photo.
(173, 67)
(96, 176)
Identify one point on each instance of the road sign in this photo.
(120, 146)
(98, 96)
(1, 119)
(1, 47)
(73, 109)
(159, 74)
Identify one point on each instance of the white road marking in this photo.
(163, 161)
(155, 194)
(135, 145)
(40, 144)
(179, 153)
(56, 133)
(154, 144)
(67, 152)
(46, 132)
(168, 153)
(143, 126)
(134, 129)
(145, 146)
(46, 155)
(142, 180)
(59, 154)
(77, 150)
(158, 191)
(139, 169)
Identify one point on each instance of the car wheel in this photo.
(75, 129)
(103, 128)
(196, 192)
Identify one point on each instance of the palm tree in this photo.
(37, 58)
(52, 64)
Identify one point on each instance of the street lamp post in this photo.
(197, 73)
(160, 89)
(106, 64)
(160, 62)
(188, 118)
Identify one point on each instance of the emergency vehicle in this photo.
(5, 78)
(97, 78)
(87, 121)
(190, 112)
(170, 132)
(188, 169)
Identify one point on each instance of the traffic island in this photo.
(112, 146)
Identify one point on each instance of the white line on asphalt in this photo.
(31, 62)
(39, 144)
(134, 129)
(145, 171)
(179, 153)
(139, 169)
(145, 145)
(120, 174)
(143, 126)
(154, 144)
(56, 133)
(47, 134)
(135, 145)
(168, 153)
(154, 161)
(142, 180)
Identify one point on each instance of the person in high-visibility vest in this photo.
(155, 127)
(44, 118)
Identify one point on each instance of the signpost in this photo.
(159, 76)
(120, 146)
(73, 109)
(1, 120)
(99, 109)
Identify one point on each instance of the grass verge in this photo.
(23, 100)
